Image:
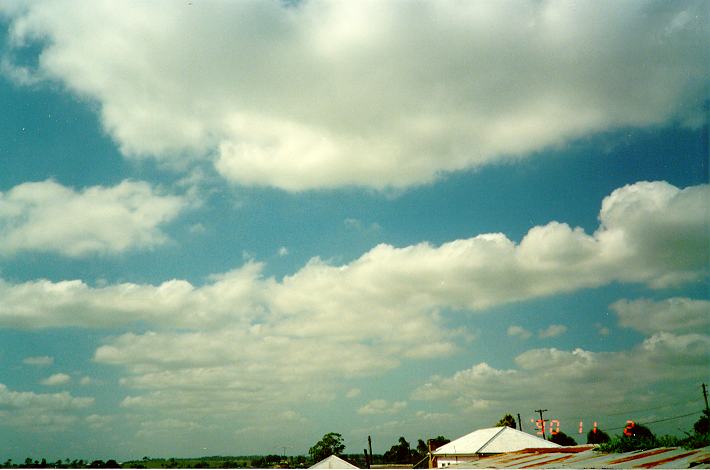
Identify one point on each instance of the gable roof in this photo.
(333, 462)
(493, 441)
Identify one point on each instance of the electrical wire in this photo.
(629, 413)
(660, 420)
(684, 402)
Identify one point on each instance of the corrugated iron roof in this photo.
(587, 457)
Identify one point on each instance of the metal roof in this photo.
(587, 457)
(492, 441)
(333, 462)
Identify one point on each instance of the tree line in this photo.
(634, 437)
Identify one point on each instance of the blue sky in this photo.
(226, 228)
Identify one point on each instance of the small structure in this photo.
(488, 441)
(333, 462)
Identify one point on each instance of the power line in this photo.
(628, 413)
(660, 420)
(684, 402)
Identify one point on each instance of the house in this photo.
(333, 462)
(484, 442)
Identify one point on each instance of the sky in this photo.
(228, 228)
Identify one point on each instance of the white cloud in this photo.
(41, 411)
(552, 331)
(602, 330)
(580, 382)
(46, 216)
(38, 361)
(519, 331)
(358, 226)
(283, 251)
(675, 315)
(286, 95)
(56, 379)
(96, 421)
(242, 339)
(232, 297)
(353, 393)
(86, 380)
(45, 401)
(382, 407)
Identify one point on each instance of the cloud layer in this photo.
(676, 315)
(46, 216)
(40, 410)
(580, 383)
(243, 340)
(637, 241)
(325, 94)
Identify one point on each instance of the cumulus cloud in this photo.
(86, 380)
(675, 315)
(286, 95)
(382, 407)
(56, 379)
(602, 330)
(99, 422)
(575, 381)
(242, 338)
(46, 216)
(519, 331)
(552, 331)
(38, 361)
(45, 411)
(231, 297)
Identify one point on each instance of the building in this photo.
(485, 442)
(333, 462)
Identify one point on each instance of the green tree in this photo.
(597, 436)
(635, 437)
(400, 453)
(562, 439)
(438, 441)
(422, 448)
(331, 444)
(507, 420)
(702, 425)
(639, 431)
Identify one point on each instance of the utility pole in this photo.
(543, 423)
(705, 395)
(369, 447)
(520, 423)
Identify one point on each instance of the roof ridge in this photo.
(489, 440)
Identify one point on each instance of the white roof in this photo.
(493, 441)
(333, 462)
